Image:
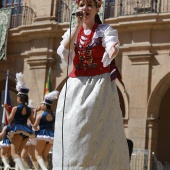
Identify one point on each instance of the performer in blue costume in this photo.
(5, 147)
(29, 149)
(20, 131)
(44, 126)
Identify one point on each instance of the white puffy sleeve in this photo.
(64, 53)
(109, 38)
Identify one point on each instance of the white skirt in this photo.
(93, 132)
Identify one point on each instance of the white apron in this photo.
(93, 132)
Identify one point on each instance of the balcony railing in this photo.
(116, 8)
(139, 159)
(22, 15)
(157, 165)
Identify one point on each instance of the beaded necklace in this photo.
(87, 38)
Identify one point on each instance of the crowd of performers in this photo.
(30, 130)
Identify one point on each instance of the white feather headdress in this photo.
(20, 86)
(50, 97)
(31, 103)
(20, 81)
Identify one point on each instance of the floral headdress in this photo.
(99, 2)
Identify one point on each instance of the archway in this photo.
(158, 136)
(163, 149)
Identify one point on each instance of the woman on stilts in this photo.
(89, 131)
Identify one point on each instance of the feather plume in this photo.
(20, 81)
(31, 103)
(52, 95)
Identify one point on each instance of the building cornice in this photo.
(36, 62)
(140, 58)
(37, 30)
(136, 21)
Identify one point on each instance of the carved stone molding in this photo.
(140, 58)
(40, 62)
(125, 123)
(152, 122)
(45, 18)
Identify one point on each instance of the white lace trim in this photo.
(46, 138)
(12, 133)
(4, 145)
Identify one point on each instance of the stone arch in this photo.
(124, 99)
(157, 95)
(153, 112)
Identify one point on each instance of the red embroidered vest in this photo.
(88, 62)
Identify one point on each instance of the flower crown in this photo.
(99, 2)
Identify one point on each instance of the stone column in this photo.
(136, 76)
(151, 139)
(37, 74)
(137, 82)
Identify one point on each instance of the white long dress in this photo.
(93, 132)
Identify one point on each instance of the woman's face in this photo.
(43, 106)
(18, 99)
(88, 8)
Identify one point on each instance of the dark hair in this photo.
(23, 98)
(49, 108)
(97, 19)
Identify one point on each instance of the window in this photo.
(21, 15)
(16, 6)
(11, 3)
(109, 8)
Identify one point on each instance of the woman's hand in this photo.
(6, 106)
(113, 50)
(37, 121)
(36, 129)
(79, 18)
(38, 109)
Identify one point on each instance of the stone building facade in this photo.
(143, 60)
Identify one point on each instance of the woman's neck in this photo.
(87, 26)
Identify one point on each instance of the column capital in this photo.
(139, 58)
(40, 62)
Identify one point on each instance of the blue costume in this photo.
(20, 123)
(6, 141)
(46, 131)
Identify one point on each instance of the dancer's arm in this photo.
(37, 121)
(10, 116)
(32, 117)
(3, 132)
